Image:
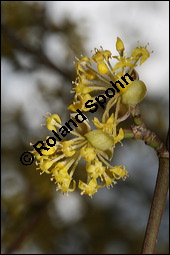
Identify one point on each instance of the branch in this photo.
(142, 133)
(139, 131)
(157, 207)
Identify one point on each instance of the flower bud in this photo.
(135, 93)
(102, 68)
(119, 45)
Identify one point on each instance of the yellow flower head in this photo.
(96, 73)
(95, 147)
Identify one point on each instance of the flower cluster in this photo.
(89, 79)
(94, 146)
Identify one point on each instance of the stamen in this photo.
(117, 108)
(76, 134)
(77, 59)
(58, 158)
(79, 145)
(110, 69)
(98, 74)
(75, 165)
(103, 160)
(109, 105)
(134, 64)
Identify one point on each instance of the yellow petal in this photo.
(120, 136)
(97, 123)
(56, 118)
(111, 119)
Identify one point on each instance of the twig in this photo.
(139, 131)
(150, 139)
(157, 207)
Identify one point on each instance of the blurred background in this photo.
(39, 41)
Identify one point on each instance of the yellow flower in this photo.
(52, 120)
(45, 165)
(88, 188)
(88, 153)
(101, 55)
(119, 172)
(95, 147)
(80, 103)
(142, 53)
(96, 170)
(98, 79)
(63, 180)
(109, 126)
(68, 149)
